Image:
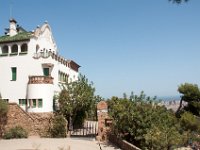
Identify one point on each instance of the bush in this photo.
(58, 129)
(3, 116)
(16, 133)
(189, 122)
(3, 108)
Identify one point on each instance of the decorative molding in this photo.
(40, 80)
(47, 53)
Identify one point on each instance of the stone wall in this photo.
(102, 114)
(36, 124)
(104, 128)
(123, 144)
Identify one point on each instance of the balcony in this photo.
(40, 80)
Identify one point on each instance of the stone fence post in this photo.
(104, 121)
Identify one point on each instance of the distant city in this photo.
(169, 98)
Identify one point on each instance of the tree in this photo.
(143, 122)
(189, 122)
(191, 95)
(3, 115)
(58, 129)
(92, 113)
(179, 1)
(164, 132)
(75, 100)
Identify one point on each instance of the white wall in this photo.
(28, 66)
(44, 92)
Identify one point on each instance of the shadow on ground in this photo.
(108, 145)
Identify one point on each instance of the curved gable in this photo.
(44, 32)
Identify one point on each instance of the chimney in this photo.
(13, 30)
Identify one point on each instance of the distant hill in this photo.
(170, 98)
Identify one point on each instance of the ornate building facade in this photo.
(31, 70)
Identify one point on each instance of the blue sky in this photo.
(122, 45)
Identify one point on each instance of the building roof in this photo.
(73, 65)
(21, 36)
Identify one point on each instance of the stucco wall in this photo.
(31, 64)
(43, 91)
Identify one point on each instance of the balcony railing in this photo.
(40, 80)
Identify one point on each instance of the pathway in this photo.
(54, 144)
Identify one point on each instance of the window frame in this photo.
(22, 102)
(45, 72)
(13, 50)
(14, 73)
(34, 103)
(24, 48)
(40, 103)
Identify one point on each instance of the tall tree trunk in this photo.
(179, 108)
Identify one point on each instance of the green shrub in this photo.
(189, 122)
(3, 116)
(16, 133)
(58, 129)
(3, 108)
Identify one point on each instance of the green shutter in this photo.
(34, 103)
(20, 102)
(24, 102)
(39, 103)
(14, 73)
(46, 71)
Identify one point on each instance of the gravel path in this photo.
(54, 144)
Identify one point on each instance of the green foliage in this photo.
(16, 133)
(190, 92)
(92, 113)
(59, 125)
(164, 132)
(3, 108)
(179, 1)
(189, 122)
(191, 95)
(76, 100)
(141, 121)
(3, 116)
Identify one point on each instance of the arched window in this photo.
(5, 49)
(14, 49)
(24, 48)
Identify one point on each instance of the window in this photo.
(14, 49)
(37, 48)
(14, 73)
(62, 77)
(6, 100)
(22, 102)
(59, 76)
(46, 71)
(5, 49)
(24, 48)
(39, 103)
(34, 103)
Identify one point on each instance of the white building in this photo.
(31, 71)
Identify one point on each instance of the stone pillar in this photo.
(103, 127)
